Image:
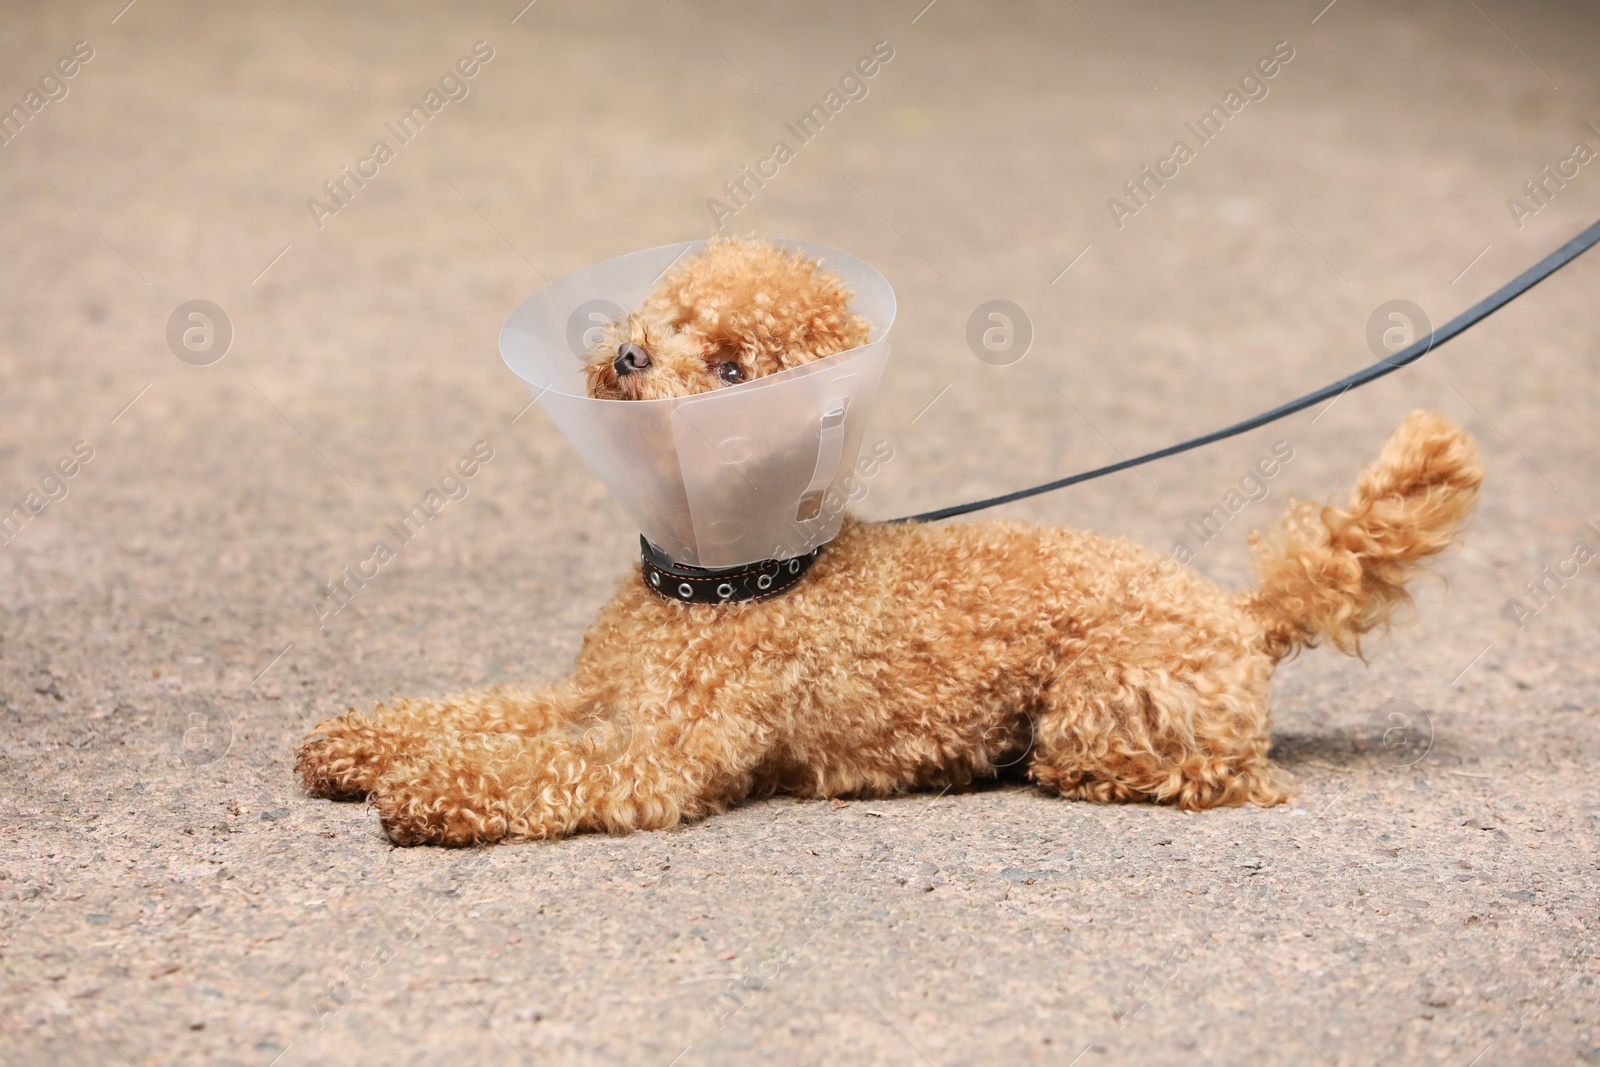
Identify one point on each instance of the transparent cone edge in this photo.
(747, 473)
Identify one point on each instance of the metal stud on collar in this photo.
(698, 585)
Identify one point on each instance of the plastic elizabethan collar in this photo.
(751, 472)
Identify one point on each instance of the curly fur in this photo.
(1337, 574)
(911, 656)
(743, 301)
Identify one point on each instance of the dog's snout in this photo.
(631, 358)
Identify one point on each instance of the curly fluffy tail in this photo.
(1333, 575)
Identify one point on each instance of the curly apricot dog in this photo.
(910, 656)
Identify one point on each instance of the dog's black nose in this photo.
(630, 358)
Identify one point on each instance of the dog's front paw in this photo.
(414, 808)
(342, 758)
(474, 789)
(406, 822)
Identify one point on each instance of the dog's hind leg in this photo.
(342, 757)
(1110, 730)
(608, 773)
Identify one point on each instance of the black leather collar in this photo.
(697, 585)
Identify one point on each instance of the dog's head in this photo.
(740, 309)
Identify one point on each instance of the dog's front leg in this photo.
(343, 757)
(603, 771)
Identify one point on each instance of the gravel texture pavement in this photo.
(169, 895)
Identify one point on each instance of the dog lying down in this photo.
(910, 656)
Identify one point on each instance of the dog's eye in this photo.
(730, 373)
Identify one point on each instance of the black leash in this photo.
(1410, 354)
